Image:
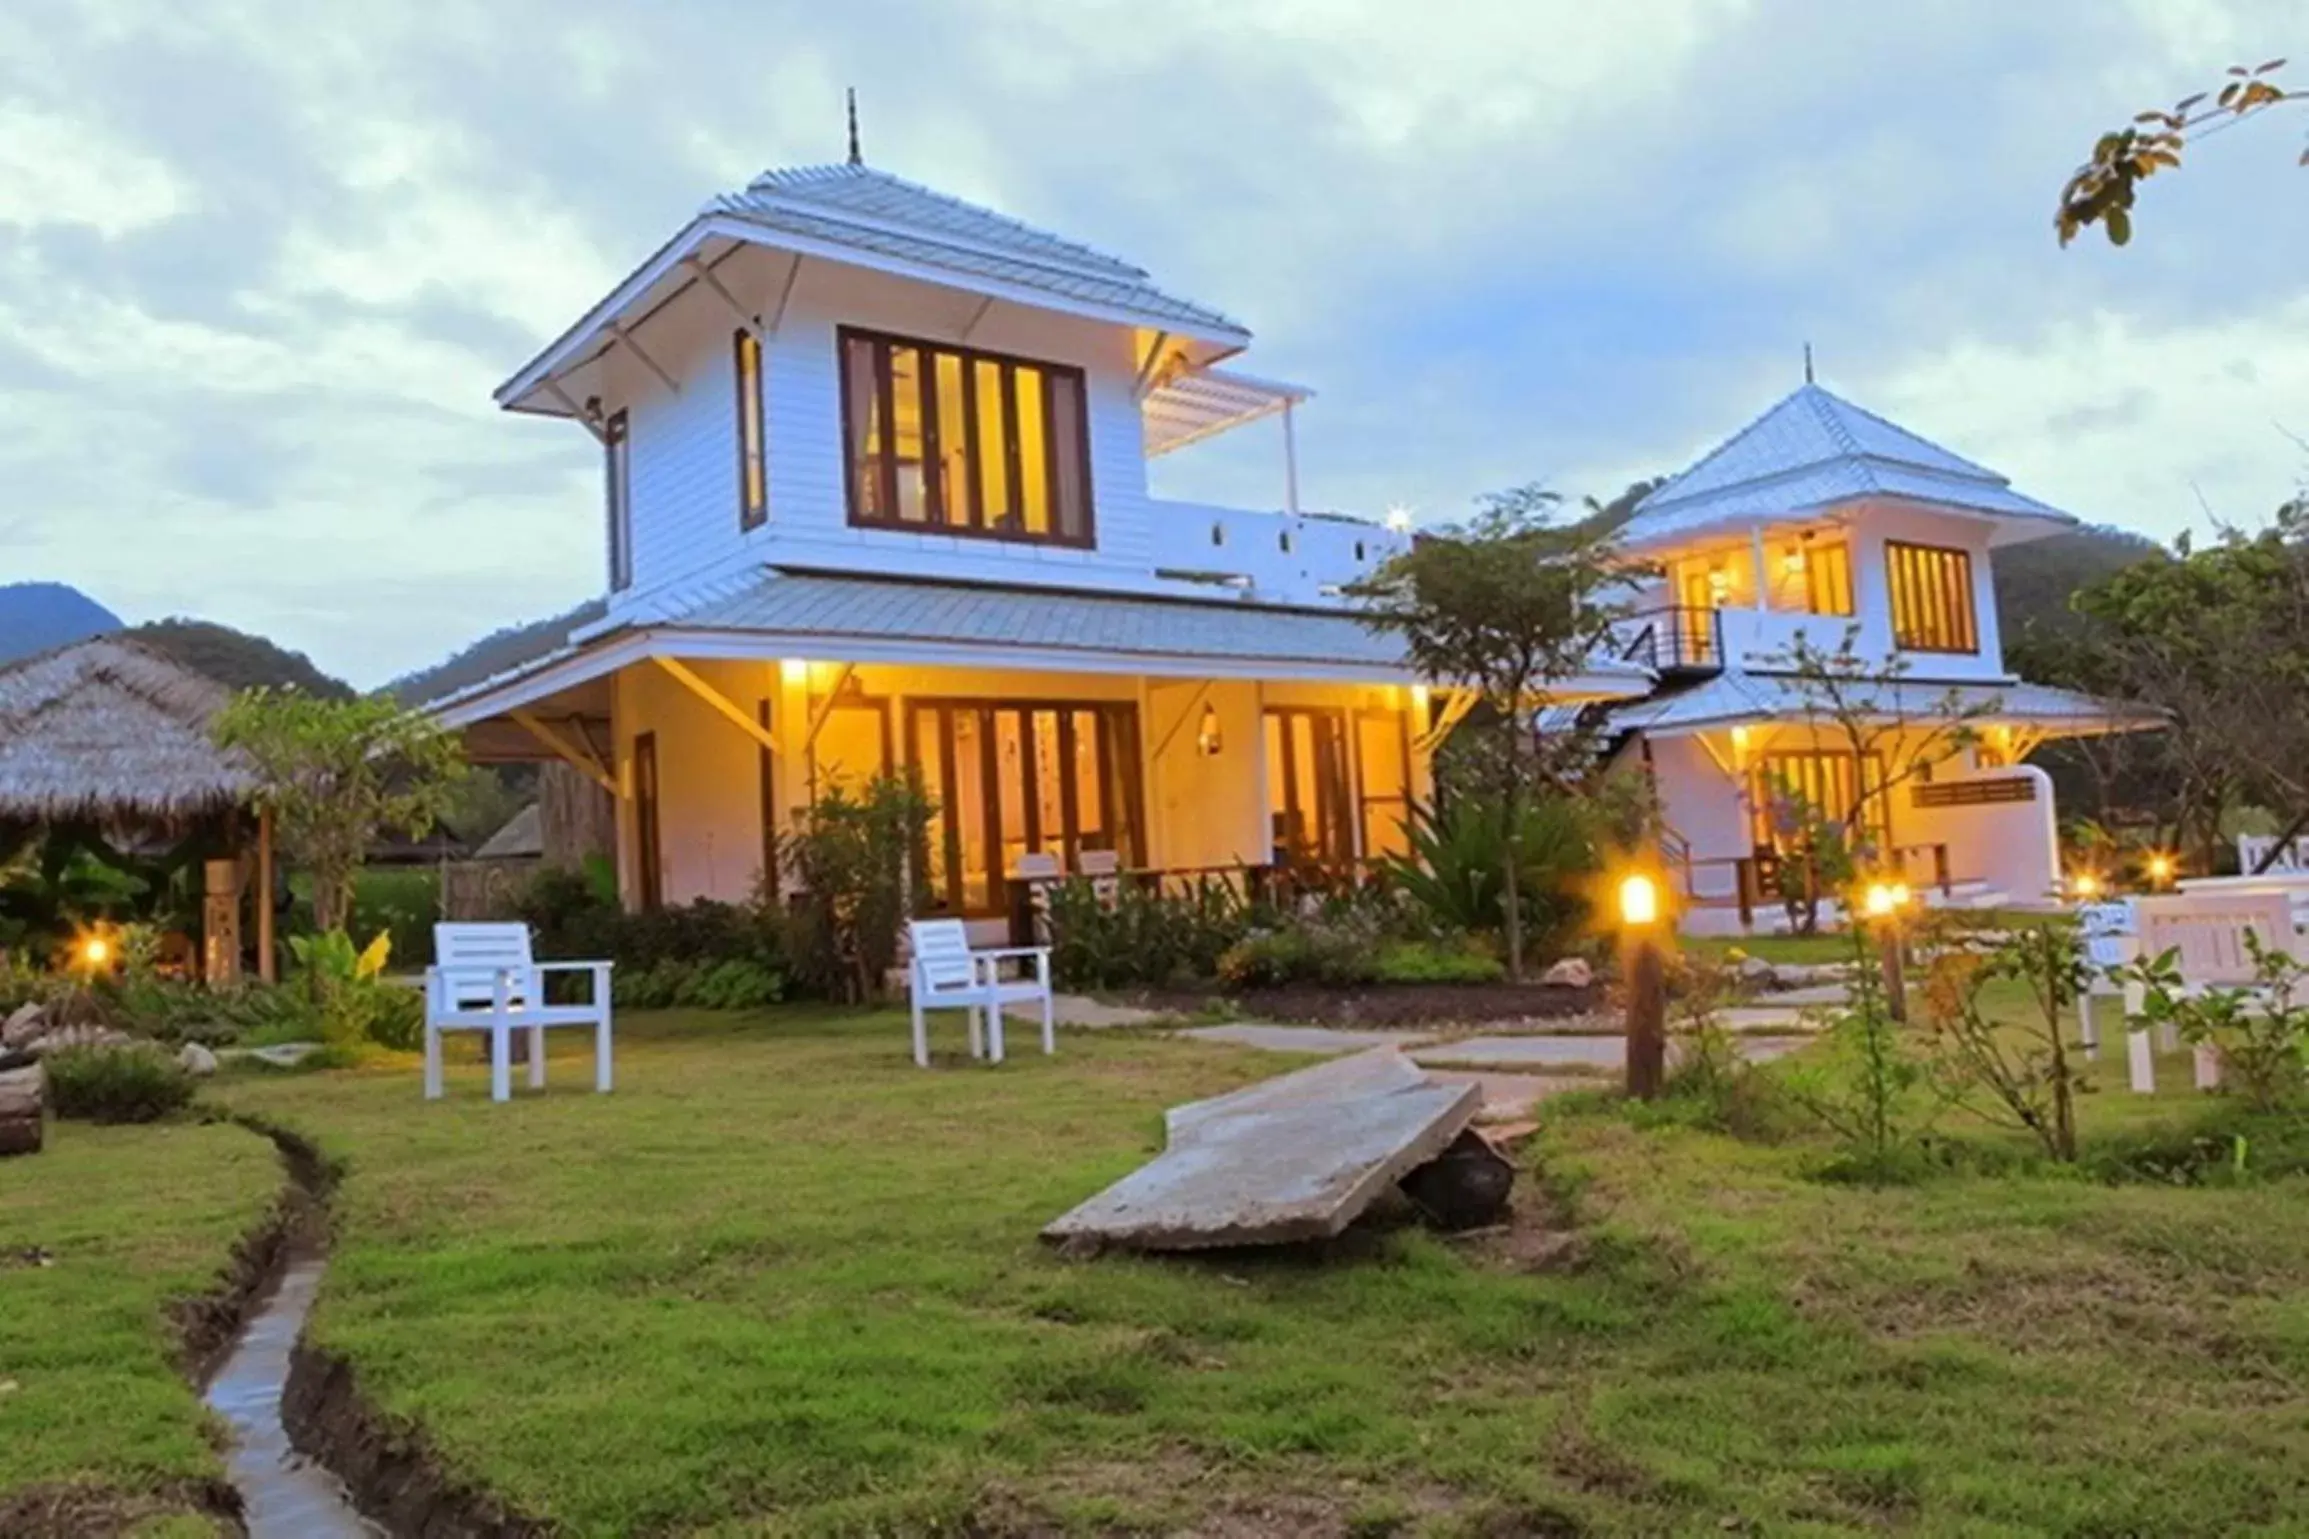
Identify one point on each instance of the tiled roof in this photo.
(1812, 451)
(871, 210)
(1734, 697)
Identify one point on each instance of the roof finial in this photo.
(856, 159)
(1807, 363)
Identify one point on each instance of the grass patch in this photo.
(784, 1282)
(97, 1420)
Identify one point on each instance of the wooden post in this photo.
(1645, 974)
(267, 968)
(220, 922)
(1647, 1015)
(1895, 970)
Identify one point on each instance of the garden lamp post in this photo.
(2161, 871)
(1645, 970)
(1882, 904)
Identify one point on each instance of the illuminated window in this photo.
(1931, 598)
(753, 473)
(1812, 577)
(946, 438)
(1788, 791)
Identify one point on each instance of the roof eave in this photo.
(521, 392)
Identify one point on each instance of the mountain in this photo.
(237, 659)
(41, 616)
(2034, 579)
(493, 654)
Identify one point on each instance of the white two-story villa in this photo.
(875, 496)
(1820, 520)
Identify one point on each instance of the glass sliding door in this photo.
(1013, 778)
(1307, 788)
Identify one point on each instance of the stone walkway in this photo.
(1305, 1039)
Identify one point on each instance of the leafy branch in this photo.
(2103, 189)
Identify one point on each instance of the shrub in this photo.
(1454, 868)
(734, 984)
(707, 954)
(851, 855)
(1142, 935)
(135, 1083)
(1436, 962)
(1307, 953)
(402, 901)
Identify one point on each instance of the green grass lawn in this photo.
(784, 1282)
(97, 1422)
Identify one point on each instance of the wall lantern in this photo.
(1209, 741)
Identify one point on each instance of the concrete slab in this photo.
(1305, 1039)
(1362, 1074)
(1289, 1164)
(1556, 1052)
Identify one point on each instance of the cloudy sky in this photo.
(259, 271)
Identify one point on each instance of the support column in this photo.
(268, 968)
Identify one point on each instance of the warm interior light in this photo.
(1208, 739)
(1719, 581)
(794, 670)
(1639, 900)
(1793, 562)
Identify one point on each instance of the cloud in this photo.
(262, 262)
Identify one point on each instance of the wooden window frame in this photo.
(746, 365)
(1869, 791)
(938, 518)
(764, 711)
(1933, 598)
(1119, 749)
(648, 836)
(617, 497)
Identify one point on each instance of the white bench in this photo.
(483, 978)
(2207, 931)
(943, 973)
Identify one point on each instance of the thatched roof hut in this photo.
(109, 729)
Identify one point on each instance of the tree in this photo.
(1502, 608)
(2018, 1071)
(338, 774)
(1894, 731)
(2103, 189)
(2216, 640)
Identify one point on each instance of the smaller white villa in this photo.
(1816, 520)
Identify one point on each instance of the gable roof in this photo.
(108, 727)
(870, 210)
(1814, 450)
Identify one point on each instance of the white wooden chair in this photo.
(1104, 868)
(943, 973)
(2208, 930)
(483, 978)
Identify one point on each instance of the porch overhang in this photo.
(782, 615)
(1751, 700)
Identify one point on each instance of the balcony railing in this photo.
(1672, 640)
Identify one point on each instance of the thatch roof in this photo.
(522, 838)
(106, 728)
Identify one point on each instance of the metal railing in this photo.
(1679, 639)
